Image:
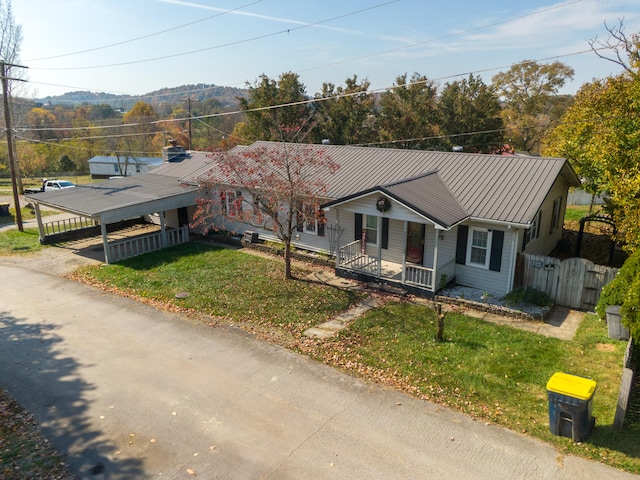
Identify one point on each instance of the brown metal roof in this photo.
(495, 187)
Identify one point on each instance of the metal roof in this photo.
(95, 199)
(111, 159)
(501, 188)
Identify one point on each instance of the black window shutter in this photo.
(385, 232)
(321, 229)
(358, 229)
(497, 241)
(539, 223)
(461, 246)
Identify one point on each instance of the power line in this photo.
(144, 36)
(229, 44)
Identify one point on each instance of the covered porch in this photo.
(350, 258)
(404, 234)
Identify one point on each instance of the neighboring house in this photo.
(113, 166)
(421, 219)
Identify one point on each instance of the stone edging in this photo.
(495, 309)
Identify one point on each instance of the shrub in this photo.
(630, 309)
(615, 292)
(531, 296)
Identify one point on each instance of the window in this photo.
(534, 229)
(555, 214)
(231, 203)
(116, 168)
(138, 169)
(371, 229)
(479, 247)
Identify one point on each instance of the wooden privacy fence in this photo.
(573, 283)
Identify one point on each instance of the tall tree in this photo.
(287, 96)
(470, 116)
(345, 115)
(277, 187)
(408, 113)
(527, 90)
(599, 135)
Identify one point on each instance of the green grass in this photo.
(227, 283)
(575, 213)
(13, 242)
(492, 372)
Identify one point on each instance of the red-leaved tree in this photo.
(272, 186)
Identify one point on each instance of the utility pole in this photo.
(13, 166)
(189, 120)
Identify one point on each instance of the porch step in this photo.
(342, 321)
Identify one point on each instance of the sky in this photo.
(138, 46)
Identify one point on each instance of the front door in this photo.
(415, 242)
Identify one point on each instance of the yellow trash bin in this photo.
(570, 405)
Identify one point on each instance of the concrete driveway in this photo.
(127, 391)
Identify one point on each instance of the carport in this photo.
(162, 199)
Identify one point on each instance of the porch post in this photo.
(163, 231)
(337, 237)
(404, 253)
(40, 224)
(379, 240)
(105, 241)
(436, 244)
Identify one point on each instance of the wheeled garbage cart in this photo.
(570, 405)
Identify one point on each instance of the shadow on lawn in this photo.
(37, 373)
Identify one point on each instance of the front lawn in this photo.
(227, 284)
(14, 242)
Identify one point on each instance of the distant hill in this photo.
(200, 92)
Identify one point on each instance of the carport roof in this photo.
(146, 192)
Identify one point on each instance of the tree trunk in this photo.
(287, 260)
(440, 323)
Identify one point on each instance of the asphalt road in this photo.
(129, 392)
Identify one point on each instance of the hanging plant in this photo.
(383, 204)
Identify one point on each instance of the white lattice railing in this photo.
(131, 247)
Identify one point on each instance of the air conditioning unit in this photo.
(250, 236)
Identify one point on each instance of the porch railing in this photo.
(67, 225)
(351, 256)
(131, 247)
(419, 275)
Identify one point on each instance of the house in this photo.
(109, 166)
(422, 219)
(412, 218)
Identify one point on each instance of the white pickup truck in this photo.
(50, 185)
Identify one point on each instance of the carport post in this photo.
(105, 241)
(163, 231)
(39, 219)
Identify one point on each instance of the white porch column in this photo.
(105, 241)
(40, 224)
(337, 237)
(163, 231)
(404, 253)
(436, 244)
(379, 240)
